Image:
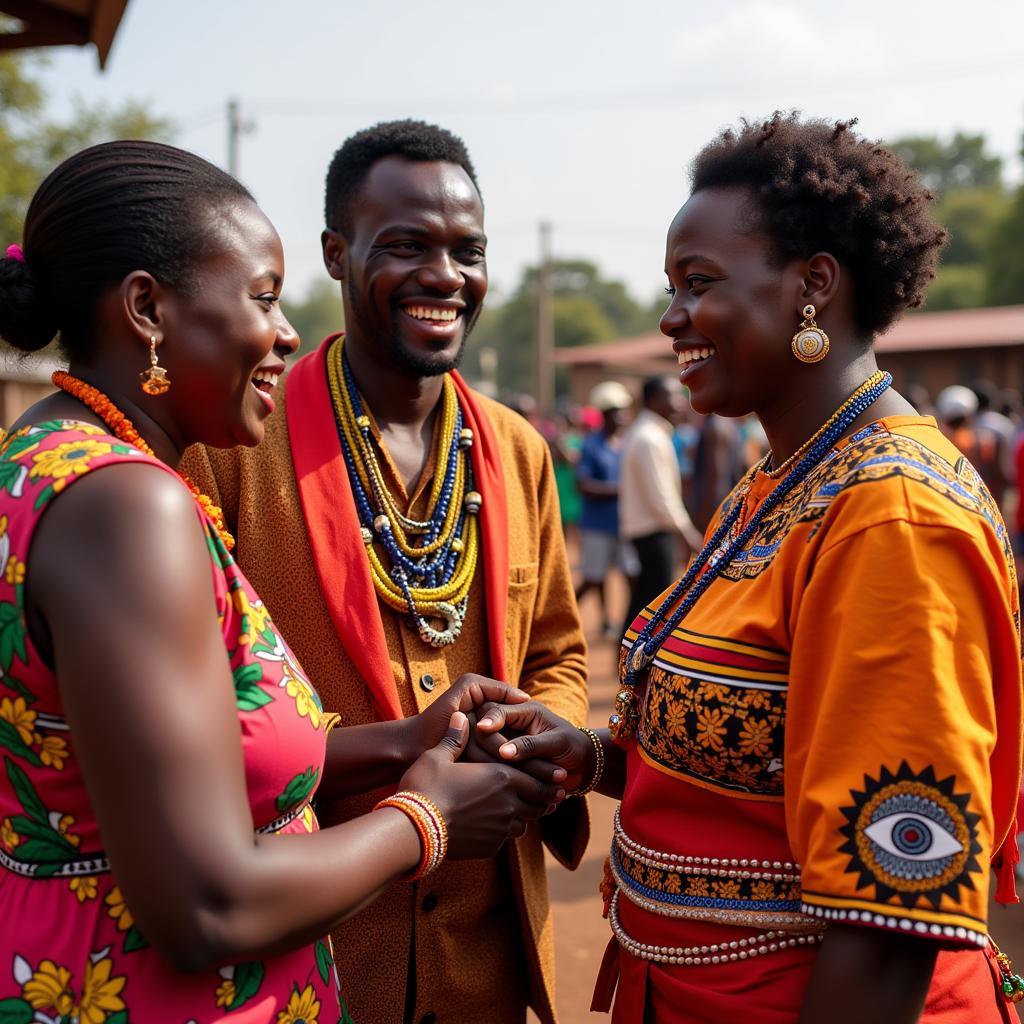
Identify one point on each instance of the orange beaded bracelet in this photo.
(429, 824)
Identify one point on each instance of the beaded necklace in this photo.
(124, 430)
(726, 541)
(432, 561)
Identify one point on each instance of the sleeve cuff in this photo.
(945, 927)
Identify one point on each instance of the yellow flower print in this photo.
(8, 836)
(713, 691)
(21, 716)
(3, 526)
(52, 750)
(15, 571)
(100, 993)
(258, 615)
(755, 737)
(303, 1007)
(47, 989)
(711, 728)
(675, 719)
(302, 693)
(763, 891)
(84, 888)
(66, 459)
(758, 698)
(62, 823)
(118, 909)
(226, 992)
(697, 886)
(726, 889)
(309, 819)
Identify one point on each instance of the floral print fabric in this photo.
(70, 950)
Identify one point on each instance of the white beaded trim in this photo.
(776, 919)
(893, 923)
(717, 953)
(729, 867)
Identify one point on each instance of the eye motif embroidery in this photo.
(911, 835)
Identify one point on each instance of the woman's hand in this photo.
(468, 694)
(482, 804)
(537, 732)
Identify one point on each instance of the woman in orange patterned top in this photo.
(160, 746)
(817, 736)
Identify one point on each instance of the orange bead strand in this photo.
(124, 430)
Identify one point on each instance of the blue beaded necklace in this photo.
(719, 551)
(432, 575)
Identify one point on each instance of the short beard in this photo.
(416, 364)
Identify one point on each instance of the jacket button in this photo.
(429, 902)
(429, 1018)
(427, 683)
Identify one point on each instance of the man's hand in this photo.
(468, 694)
(537, 732)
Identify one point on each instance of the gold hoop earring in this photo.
(810, 343)
(154, 380)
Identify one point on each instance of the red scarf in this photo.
(334, 529)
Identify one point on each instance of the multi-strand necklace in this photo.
(726, 541)
(432, 560)
(124, 430)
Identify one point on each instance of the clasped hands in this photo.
(507, 727)
(515, 761)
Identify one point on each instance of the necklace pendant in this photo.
(639, 659)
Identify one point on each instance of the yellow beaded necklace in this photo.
(433, 560)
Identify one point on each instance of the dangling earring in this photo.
(154, 380)
(810, 343)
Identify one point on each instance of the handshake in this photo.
(493, 760)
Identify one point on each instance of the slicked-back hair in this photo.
(100, 215)
(410, 140)
(817, 186)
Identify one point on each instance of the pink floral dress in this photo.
(69, 948)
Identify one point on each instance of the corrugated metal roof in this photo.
(994, 326)
(63, 23)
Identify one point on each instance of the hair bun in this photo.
(27, 320)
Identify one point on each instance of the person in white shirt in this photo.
(651, 511)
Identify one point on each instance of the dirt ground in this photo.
(580, 933)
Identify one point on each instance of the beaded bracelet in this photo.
(598, 762)
(430, 826)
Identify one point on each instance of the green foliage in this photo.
(320, 313)
(958, 286)
(970, 215)
(1004, 256)
(587, 309)
(31, 144)
(959, 163)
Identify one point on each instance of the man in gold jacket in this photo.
(471, 943)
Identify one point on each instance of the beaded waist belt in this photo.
(98, 864)
(730, 891)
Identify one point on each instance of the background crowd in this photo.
(587, 442)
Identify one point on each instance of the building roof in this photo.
(995, 326)
(63, 23)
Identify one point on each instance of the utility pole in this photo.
(236, 129)
(544, 329)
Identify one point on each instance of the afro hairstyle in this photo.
(817, 186)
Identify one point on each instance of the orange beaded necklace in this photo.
(124, 430)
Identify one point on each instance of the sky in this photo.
(583, 113)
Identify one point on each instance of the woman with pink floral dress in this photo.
(160, 859)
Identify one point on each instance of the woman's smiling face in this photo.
(733, 310)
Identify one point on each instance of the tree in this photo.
(31, 144)
(972, 204)
(320, 313)
(959, 163)
(1004, 259)
(587, 309)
